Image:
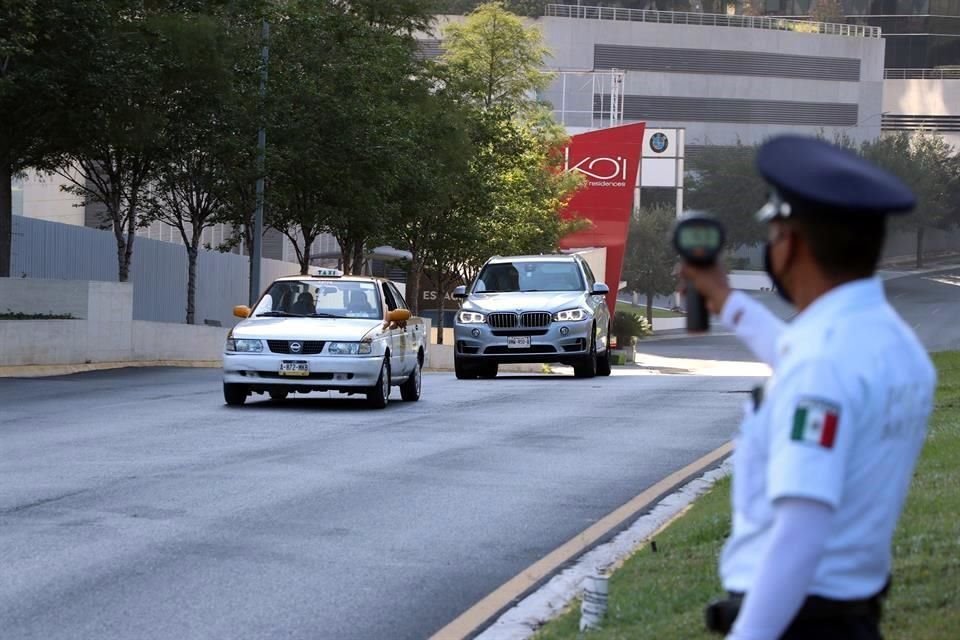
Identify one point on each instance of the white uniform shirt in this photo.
(842, 421)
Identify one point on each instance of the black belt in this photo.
(721, 614)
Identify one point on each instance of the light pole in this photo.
(256, 252)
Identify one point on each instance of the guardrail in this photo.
(922, 74)
(710, 20)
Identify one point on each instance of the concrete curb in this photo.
(497, 616)
(554, 598)
(51, 370)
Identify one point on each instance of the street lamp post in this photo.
(256, 252)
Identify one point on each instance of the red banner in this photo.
(609, 160)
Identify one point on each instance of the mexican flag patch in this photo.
(815, 422)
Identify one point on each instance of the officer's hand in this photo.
(711, 282)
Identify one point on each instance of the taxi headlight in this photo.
(350, 348)
(569, 315)
(471, 317)
(244, 345)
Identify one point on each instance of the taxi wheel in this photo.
(410, 389)
(234, 394)
(279, 395)
(378, 397)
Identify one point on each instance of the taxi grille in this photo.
(526, 320)
(307, 347)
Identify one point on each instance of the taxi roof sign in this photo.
(328, 273)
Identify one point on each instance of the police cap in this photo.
(811, 175)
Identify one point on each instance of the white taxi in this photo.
(325, 332)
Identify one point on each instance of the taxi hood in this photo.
(326, 329)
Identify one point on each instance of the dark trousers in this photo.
(840, 629)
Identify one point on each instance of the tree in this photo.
(650, 257)
(724, 181)
(495, 60)
(45, 50)
(827, 11)
(435, 164)
(928, 165)
(118, 126)
(341, 89)
(190, 187)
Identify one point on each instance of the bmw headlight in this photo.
(570, 315)
(244, 345)
(350, 348)
(471, 317)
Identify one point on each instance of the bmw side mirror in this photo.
(600, 289)
(460, 293)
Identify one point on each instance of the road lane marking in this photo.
(471, 622)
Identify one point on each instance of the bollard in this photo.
(594, 604)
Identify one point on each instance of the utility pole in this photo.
(256, 253)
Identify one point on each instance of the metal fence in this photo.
(922, 74)
(158, 271)
(711, 20)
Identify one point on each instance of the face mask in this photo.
(777, 285)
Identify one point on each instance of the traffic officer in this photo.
(825, 454)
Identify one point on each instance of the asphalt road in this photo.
(134, 504)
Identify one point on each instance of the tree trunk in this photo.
(358, 257)
(440, 326)
(650, 307)
(345, 258)
(920, 232)
(192, 253)
(304, 262)
(6, 214)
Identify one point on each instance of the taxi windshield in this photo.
(535, 275)
(321, 299)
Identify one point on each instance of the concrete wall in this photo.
(104, 330)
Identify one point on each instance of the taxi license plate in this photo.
(518, 342)
(298, 368)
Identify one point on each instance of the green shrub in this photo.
(629, 327)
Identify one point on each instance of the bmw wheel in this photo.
(464, 370)
(587, 368)
(603, 362)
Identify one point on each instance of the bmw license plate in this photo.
(298, 368)
(518, 342)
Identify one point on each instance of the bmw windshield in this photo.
(534, 275)
(320, 299)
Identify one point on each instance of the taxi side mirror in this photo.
(398, 315)
(241, 311)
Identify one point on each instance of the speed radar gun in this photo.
(698, 238)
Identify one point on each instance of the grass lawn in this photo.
(661, 595)
(642, 310)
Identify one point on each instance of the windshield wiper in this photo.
(323, 315)
(278, 314)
